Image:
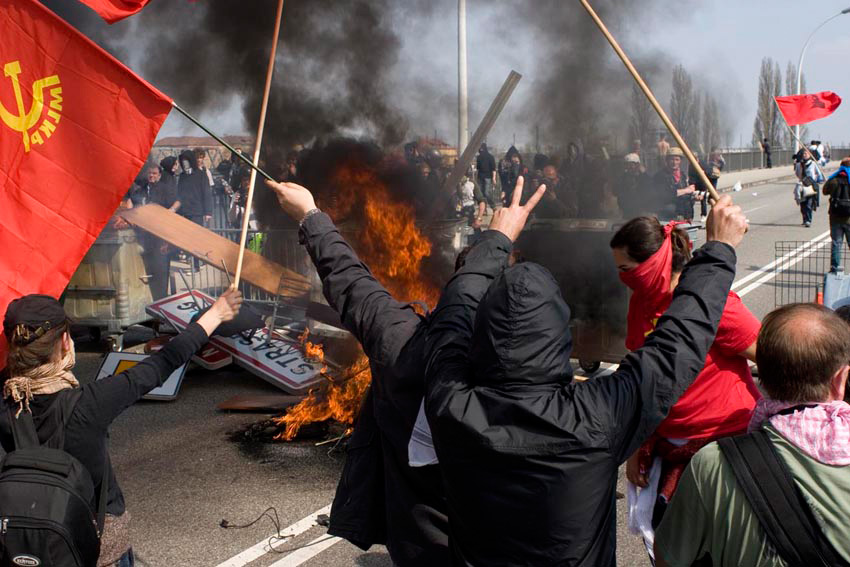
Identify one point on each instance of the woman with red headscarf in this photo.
(650, 258)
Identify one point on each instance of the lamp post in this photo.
(463, 105)
(800, 65)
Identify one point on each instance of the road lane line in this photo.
(258, 550)
(782, 267)
(768, 267)
(755, 209)
(306, 553)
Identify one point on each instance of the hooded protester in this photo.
(193, 190)
(806, 190)
(718, 404)
(169, 167)
(529, 458)
(379, 499)
(74, 417)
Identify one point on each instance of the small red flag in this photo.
(114, 10)
(800, 109)
(76, 126)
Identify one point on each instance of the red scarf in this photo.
(651, 294)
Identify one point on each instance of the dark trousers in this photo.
(157, 266)
(807, 207)
(839, 233)
(767, 159)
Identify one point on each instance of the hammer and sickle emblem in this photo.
(24, 121)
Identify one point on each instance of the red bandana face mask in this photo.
(651, 293)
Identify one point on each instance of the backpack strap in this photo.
(784, 515)
(104, 493)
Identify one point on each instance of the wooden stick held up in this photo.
(248, 201)
(652, 100)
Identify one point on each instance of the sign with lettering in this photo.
(279, 361)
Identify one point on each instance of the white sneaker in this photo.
(703, 218)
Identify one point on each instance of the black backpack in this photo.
(47, 499)
(839, 200)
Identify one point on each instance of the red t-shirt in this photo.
(721, 399)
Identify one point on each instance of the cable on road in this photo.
(277, 537)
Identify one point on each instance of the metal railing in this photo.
(800, 269)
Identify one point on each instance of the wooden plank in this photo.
(212, 248)
(264, 403)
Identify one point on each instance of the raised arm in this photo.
(365, 307)
(451, 325)
(650, 380)
(112, 395)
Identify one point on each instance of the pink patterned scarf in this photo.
(821, 431)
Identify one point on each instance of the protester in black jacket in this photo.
(529, 458)
(41, 356)
(193, 190)
(380, 498)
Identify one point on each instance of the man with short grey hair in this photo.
(718, 515)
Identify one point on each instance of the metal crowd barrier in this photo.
(800, 267)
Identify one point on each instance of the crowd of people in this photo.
(476, 447)
(585, 185)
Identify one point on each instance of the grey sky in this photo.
(721, 43)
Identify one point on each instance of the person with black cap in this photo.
(529, 457)
(485, 165)
(39, 380)
(170, 167)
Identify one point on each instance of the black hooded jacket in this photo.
(193, 189)
(529, 458)
(380, 498)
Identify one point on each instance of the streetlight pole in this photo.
(463, 105)
(800, 65)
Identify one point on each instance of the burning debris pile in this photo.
(368, 193)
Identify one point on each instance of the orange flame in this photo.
(389, 242)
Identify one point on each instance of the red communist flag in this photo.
(114, 10)
(800, 109)
(75, 128)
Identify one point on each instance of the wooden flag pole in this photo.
(653, 101)
(247, 215)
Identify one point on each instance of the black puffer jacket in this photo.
(193, 189)
(529, 458)
(380, 499)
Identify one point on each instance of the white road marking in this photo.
(258, 550)
(779, 261)
(309, 551)
(755, 209)
(784, 266)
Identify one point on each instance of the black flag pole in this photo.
(218, 139)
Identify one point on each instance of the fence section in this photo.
(800, 267)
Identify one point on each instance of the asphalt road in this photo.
(182, 474)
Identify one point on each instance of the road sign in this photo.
(280, 361)
(118, 362)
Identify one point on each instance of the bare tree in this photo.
(791, 89)
(767, 123)
(712, 129)
(643, 119)
(685, 106)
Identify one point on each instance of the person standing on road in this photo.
(39, 363)
(529, 457)
(765, 147)
(806, 191)
(662, 147)
(838, 189)
(650, 258)
(485, 165)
